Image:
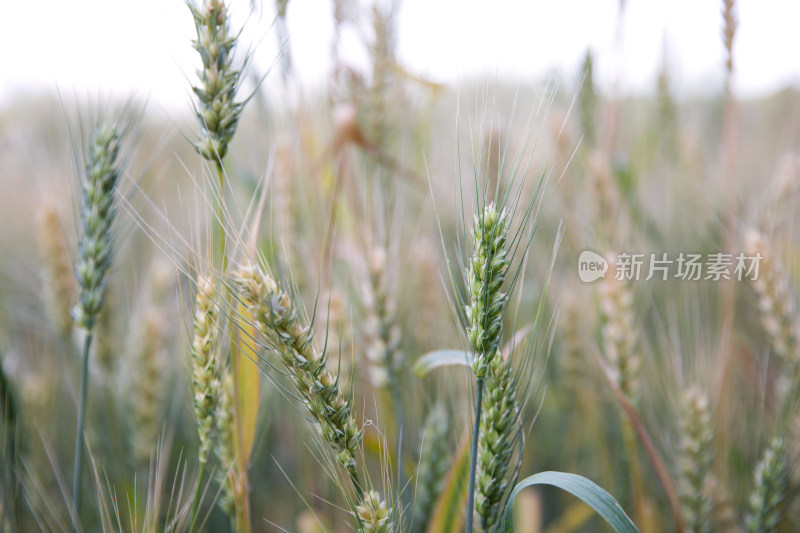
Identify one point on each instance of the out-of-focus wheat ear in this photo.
(59, 277)
(205, 364)
(601, 180)
(277, 320)
(428, 324)
(373, 515)
(217, 109)
(106, 346)
(573, 361)
(379, 101)
(147, 392)
(382, 334)
(695, 457)
(730, 24)
(488, 266)
(308, 522)
(282, 191)
(619, 334)
(498, 441)
(776, 303)
(769, 490)
(96, 245)
(587, 101)
(726, 514)
(339, 334)
(432, 467)
(225, 449)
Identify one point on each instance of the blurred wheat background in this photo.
(268, 285)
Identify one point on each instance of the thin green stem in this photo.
(221, 215)
(356, 484)
(397, 406)
(473, 458)
(197, 492)
(78, 463)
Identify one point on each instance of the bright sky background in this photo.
(142, 47)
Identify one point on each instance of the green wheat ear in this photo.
(205, 367)
(769, 494)
(97, 216)
(487, 272)
(373, 514)
(218, 112)
(277, 320)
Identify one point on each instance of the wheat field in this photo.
(394, 305)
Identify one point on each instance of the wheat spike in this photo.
(373, 515)
(97, 216)
(292, 342)
(487, 271)
(205, 364)
(770, 485)
(694, 461)
(382, 334)
(218, 111)
(498, 440)
(619, 336)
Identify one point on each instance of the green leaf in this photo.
(592, 494)
(440, 358)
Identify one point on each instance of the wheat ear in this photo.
(694, 461)
(218, 112)
(373, 515)
(277, 320)
(96, 250)
(148, 388)
(205, 375)
(499, 438)
(484, 313)
(59, 277)
(769, 492)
